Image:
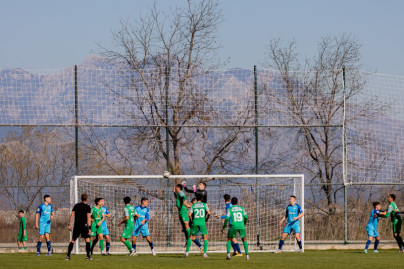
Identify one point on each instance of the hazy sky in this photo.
(53, 34)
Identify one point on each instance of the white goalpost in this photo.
(264, 197)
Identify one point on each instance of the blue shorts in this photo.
(144, 230)
(105, 230)
(295, 226)
(371, 231)
(44, 228)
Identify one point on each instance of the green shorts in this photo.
(183, 216)
(201, 228)
(21, 237)
(233, 233)
(397, 226)
(95, 230)
(127, 233)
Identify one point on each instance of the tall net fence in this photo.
(118, 121)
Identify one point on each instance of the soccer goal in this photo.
(264, 197)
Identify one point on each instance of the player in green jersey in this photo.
(182, 205)
(129, 220)
(199, 215)
(22, 233)
(97, 216)
(392, 211)
(238, 218)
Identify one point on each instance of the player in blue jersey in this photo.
(141, 224)
(371, 227)
(105, 231)
(43, 217)
(234, 244)
(293, 213)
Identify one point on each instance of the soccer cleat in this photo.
(89, 259)
(375, 251)
(228, 256)
(201, 250)
(38, 253)
(108, 253)
(132, 252)
(365, 251)
(247, 257)
(48, 254)
(186, 254)
(401, 251)
(67, 258)
(104, 254)
(278, 251)
(153, 252)
(238, 254)
(205, 255)
(301, 250)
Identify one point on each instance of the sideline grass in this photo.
(309, 259)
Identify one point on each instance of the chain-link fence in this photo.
(105, 120)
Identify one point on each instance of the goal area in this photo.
(264, 197)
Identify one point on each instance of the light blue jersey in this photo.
(104, 212)
(371, 227)
(140, 228)
(293, 212)
(45, 212)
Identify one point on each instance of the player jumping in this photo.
(199, 214)
(141, 224)
(128, 219)
(238, 218)
(182, 205)
(43, 217)
(392, 211)
(22, 233)
(293, 213)
(371, 228)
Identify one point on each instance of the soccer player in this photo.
(199, 214)
(22, 233)
(141, 224)
(234, 244)
(81, 213)
(371, 227)
(43, 217)
(196, 241)
(96, 225)
(392, 211)
(105, 230)
(182, 205)
(128, 219)
(293, 213)
(200, 191)
(238, 217)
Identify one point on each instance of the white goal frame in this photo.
(75, 197)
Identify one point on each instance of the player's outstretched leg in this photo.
(281, 242)
(368, 244)
(148, 238)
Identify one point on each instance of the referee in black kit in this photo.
(82, 225)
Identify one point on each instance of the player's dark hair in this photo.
(234, 201)
(21, 211)
(375, 204)
(84, 197)
(144, 199)
(393, 196)
(46, 196)
(293, 196)
(203, 183)
(97, 200)
(226, 197)
(127, 200)
(193, 200)
(179, 186)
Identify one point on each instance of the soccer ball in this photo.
(166, 174)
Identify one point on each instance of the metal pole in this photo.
(166, 86)
(256, 153)
(76, 116)
(344, 159)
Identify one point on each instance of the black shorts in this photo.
(80, 230)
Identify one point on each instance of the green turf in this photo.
(310, 259)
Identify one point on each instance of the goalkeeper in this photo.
(392, 211)
(200, 192)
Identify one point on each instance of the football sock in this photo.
(151, 245)
(69, 249)
(205, 246)
(281, 243)
(93, 244)
(196, 241)
(48, 243)
(88, 248)
(234, 246)
(108, 244)
(376, 244)
(228, 245)
(238, 248)
(245, 247)
(188, 244)
(300, 244)
(368, 244)
(102, 245)
(134, 246)
(38, 246)
(188, 233)
(127, 244)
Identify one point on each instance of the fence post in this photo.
(344, 158)
(76, 117)
(166, 86)
(256, 154)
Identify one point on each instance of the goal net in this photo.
(264, 197)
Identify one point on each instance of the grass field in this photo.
(310, 259)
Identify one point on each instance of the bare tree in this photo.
(312, 99)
